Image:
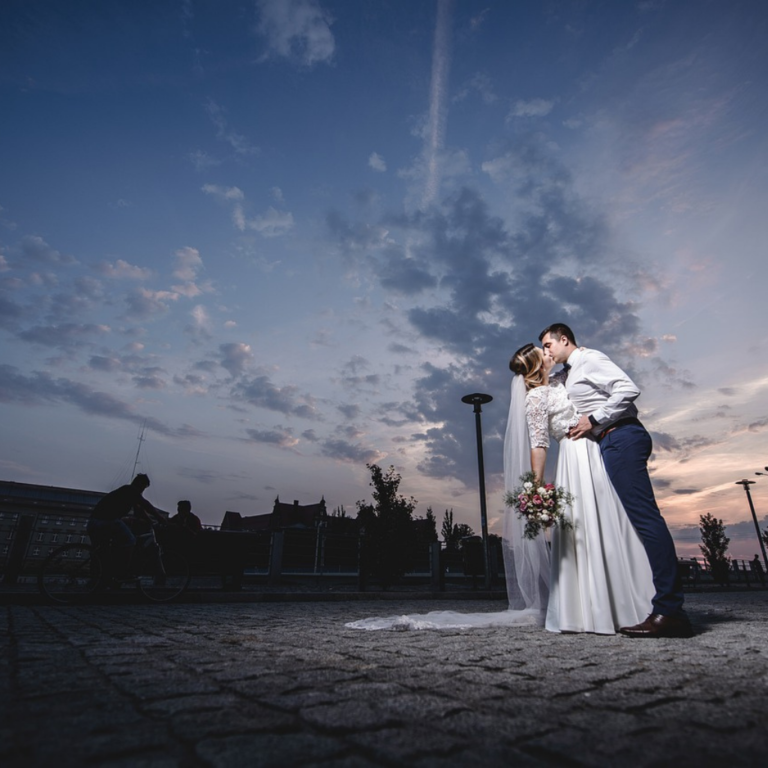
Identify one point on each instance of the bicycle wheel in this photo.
(70, 574)
(161, 589)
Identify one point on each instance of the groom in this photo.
(605, 396)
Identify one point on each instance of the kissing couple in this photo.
(614, 567)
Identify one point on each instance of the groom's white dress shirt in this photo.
(600, 389)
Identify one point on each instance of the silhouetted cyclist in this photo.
(106, 521)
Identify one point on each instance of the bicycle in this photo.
(74, 572)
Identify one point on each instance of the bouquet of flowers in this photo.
(542, 506)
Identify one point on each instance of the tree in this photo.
(714, 546)
(453, 533)
(765, 537)
(446, 531)
(386, 526)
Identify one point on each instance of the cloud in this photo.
(491, 284)
(64, 336)
(299, 30)
(532, 108)
(188, 262)
(143, 303)
(151, 381)
(664, 442)
(438, 105)
(279, 436)
(235, 358)
(271, 223)
(262, 393)
(376, 161)
(202, 160)
(34, 248)
(122, 270)
(353, 453)
(224, 193)
(102, 363)
(40, 389)
(200, 327)
(480, 83)
(349, 411)
(239, 143)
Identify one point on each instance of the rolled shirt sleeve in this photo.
(600, 389)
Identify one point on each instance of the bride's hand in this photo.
(582, 428)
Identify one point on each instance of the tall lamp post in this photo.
(746, 484)
(477, 400)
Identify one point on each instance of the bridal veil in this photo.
(526, 561)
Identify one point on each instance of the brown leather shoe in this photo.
(657, 625)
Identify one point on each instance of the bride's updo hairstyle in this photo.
(527, 362)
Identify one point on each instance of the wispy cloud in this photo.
(278, 435)
(35, 249)
(261, 392)
(376, 161)
(298, 30)
(239, 143)
(270, 223)
(438, 100)
(40, 388)
(121, 269)
(532, 108)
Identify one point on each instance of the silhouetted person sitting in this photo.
(106, 520)
(186, 518)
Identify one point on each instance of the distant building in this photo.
(281, 517)
(35, 519)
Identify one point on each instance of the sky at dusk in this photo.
(286, 236)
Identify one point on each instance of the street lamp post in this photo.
(477, 400)
(746, 484)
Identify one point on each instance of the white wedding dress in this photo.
(601, 578)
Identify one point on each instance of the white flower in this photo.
(544, 518)
(527, 486)
(541, 490)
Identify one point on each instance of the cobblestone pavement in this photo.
(271, 684)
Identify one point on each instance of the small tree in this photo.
(765, 537)
(714, 546)
(446, 531)
(387, 526)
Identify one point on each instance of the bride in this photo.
(598, 577)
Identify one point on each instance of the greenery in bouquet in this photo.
(541, 505)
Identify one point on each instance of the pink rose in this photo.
(537, 500)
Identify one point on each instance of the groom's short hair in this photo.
(558, 329)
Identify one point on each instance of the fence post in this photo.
(362, 565)
(436, 567)
(275, 557)
(16, 559)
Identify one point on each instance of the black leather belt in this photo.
(617, 424)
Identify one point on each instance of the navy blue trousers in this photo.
(625, 453)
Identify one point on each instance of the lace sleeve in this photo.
(537, 416)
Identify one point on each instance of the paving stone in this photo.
(268, 750)
(246, 684)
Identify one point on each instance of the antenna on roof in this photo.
(138, 449)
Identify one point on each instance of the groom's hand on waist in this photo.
(581, 429)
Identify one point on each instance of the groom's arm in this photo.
(618, 389)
